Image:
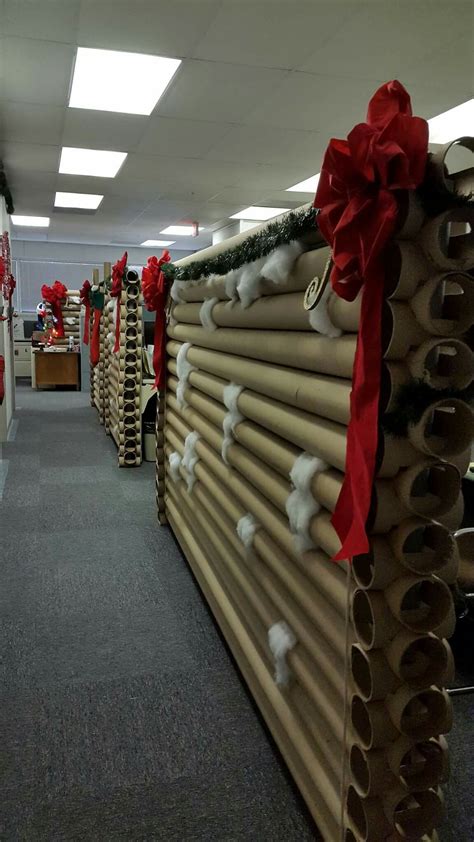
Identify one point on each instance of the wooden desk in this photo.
(56, 368)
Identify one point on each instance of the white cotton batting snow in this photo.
(281, 640)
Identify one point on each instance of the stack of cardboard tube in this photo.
(71, 310)
(96, 371)
(124, 372)
(105, 347)
(348, 662)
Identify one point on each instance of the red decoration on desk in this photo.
(358, 205)
(154, 288)
(85, 296)
(55, 295)
(118, 271)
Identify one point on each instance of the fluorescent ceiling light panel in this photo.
(180, 230)
(131, 83)
(159, 243)
(31, 221)
(90, 201)
(309, 185)
(457, 122)
(98, 162)
(258, 213)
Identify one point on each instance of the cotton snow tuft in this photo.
(232, 418)
(279, 263)
(174, 462)
(300, 504)
(205, 313)
(319, 318)
(246, 529)
(190, 458)
(281, 640)
(184, 369)
(248, 286)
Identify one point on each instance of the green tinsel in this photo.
(411, 401)
(292, 226)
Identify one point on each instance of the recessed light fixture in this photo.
(456, 122)
(181, 230)
(90, 201)
(97, 162)
(30, 221)
(108, 80)
(158, 243)
(258, 213)
(309, 185)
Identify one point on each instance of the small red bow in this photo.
(358, 213)
(118, 271)
(154, 289)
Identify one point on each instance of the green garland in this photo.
(292, 226)
(411, 401)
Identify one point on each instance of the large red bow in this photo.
(154, 290)
(358, 215)
(55, 295)
(85, 296)
(118, 271)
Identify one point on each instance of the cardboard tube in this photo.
(324, 395)
(417, 660)
(419, 765)
(307, 351)
(406, 268)
(453, 518)
(465, 544)
(445, 429)
(419, 603)
(442, 248)
(420, 714)
(445, 181)
(443, 363)
(374, 624)
(415, 813)
(444, 305)
(429, 489)
(423, 547)
(400, 330)
(372, 726)
(367, 816)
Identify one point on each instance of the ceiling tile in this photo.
(37, 71)
(55, 21)
(24, 121)
(181, 138)
(30, 156)
(167, 27)
(213, 91)
(266, 145)
(102, 129)
(316, 103)
(383, 36)
(276, 35)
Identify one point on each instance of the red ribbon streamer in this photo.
(54, 295)
(154, 288)
(358, 215)
(95, 337)
(84, 295)
(118, 271)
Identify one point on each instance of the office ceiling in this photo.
(262, 87)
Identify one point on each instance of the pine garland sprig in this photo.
(411, 401)
(279, 233)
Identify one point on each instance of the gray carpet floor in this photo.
(123, 715)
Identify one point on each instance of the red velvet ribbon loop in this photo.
(154, 288)
(84, 295)
(118, 271)
(94, 352)
(357, 198)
